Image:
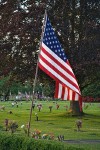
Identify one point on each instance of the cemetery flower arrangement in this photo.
(12, 125)
(36, 134)
(2, 108)
(51, 136)
(24, 128)
(57, 106)
(79, 124)
(50, 107)
(6, 124)
(44, 136)
(48, 136)
(36, 115)
(39, 107)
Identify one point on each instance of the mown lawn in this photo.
(58, 122)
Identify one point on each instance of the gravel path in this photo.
(83, 141)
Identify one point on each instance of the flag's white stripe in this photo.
(66, 94)
(58, 76)
(59, 68)
(76, 97)
(59, 91)
(58, 58)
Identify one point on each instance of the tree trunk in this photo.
(75, 108)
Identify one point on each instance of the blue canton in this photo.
(51, 41)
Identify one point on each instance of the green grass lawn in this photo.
(57, 122)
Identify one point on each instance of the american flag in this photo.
(53, 61)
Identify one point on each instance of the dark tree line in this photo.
(76, 23)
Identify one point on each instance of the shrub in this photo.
(18, 142)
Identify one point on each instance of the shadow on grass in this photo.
(66, 114)
(92, 134)
(80, 131)
(91, 116)
(51, 123)
(1, 128)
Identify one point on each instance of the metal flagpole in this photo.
(35, 80)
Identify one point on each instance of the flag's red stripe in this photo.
(68, 95)
(58, 72)
(63, 92)
(73, 95)
(56, 90)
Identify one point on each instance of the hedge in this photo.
(90, 99)
(18, 142)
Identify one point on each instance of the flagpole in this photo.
(35, 80)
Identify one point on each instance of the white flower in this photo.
(22, 126)
(35, 114)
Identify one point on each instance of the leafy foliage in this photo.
(92, 90)
(22, 143)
